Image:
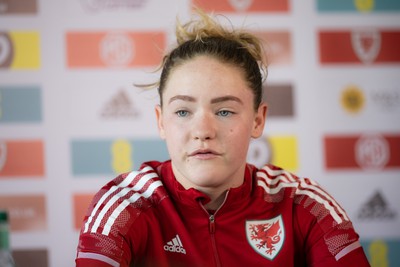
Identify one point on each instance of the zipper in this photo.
(213, 243)
(212, 224)
(211, 219)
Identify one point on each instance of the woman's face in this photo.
(207, 120)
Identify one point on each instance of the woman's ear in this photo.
(259, 120)
(160, 123)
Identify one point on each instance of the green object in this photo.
(6, 259)
(4, 231)
(3, 216)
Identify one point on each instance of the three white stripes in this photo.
(326, 200)
(125, 190)
(176, 241)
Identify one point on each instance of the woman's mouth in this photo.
(204, 154)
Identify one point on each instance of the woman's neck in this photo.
(216, 200)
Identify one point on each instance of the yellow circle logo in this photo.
(364, 5)
(352, 99)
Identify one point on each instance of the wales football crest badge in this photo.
(266, 236)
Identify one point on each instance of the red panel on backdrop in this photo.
(359, 46)
(242, 5)
(367, 152)
(114, 49)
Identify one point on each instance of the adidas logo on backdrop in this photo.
(119, 106)
(376, 208)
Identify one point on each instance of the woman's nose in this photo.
(204, 127)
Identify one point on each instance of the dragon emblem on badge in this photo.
(266, 237)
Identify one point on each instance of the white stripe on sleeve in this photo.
(99, 257)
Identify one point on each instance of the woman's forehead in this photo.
(206, 77)
(206, 71)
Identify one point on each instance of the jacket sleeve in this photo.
(104, 238)
(111, 232)
(328, 234)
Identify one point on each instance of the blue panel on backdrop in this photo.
(358, 5)
(110, 157)
(20, 104)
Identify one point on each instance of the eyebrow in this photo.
(226, 98)
(182, 97)
(213, 101)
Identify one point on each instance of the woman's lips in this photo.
(204, 154)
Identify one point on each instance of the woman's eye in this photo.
(182, 113)
(224, 113)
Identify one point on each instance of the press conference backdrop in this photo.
(71, 119)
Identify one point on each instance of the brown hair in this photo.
(207, 37)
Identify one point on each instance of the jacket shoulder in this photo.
(278, 184)
(122, 200)
(312, 205)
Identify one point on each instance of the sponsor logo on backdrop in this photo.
(382, 252)
(368, 152)
(260, 152)
(81, 204)
(27, 212)
(111, 5)
(20, 104)
(364, 5)
(25, 257)
(21, 158)
(114, 49)
(6, 50)
(278, 150)
(366, 44)
(242, 5)
(359, 46)
(376, 208)
(278, 47)
(352, 99)
(372, 151)
(110, 157)
(117, 49)
(358, 5)
(119, 106)
(19, 50)
(18, 7)
(386, 99)
(280, 100)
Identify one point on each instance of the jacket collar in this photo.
(191, 197)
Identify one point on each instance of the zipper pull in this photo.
(212, 224)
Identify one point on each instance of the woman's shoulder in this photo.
(305, 193)
(131, 192)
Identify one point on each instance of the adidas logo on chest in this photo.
(175, 245)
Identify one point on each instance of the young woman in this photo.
(207, 206)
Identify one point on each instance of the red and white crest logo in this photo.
(366, 44)
(266, 237)
(241, 5)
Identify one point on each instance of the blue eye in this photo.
(182, 113)
(224, 113)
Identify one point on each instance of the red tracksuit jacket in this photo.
(147, 218)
